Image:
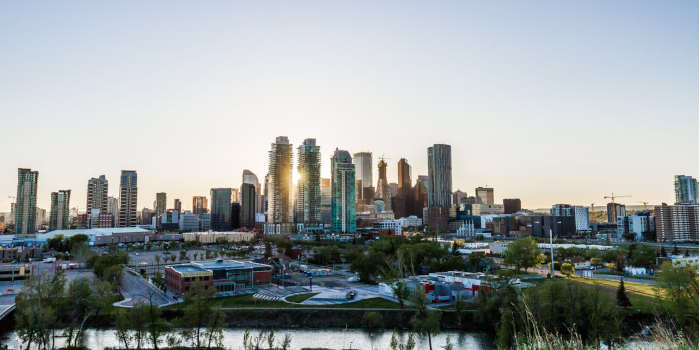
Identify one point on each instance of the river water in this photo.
(304, 338)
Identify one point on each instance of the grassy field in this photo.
(299, 298)
(249, 301)
(642, 296)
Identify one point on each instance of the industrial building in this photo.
(230, 277)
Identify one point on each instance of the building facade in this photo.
(97, 195)
(248, 202)
(363, 174)
(676, 223)
(279, 210)
(343, 192)
(440, 173)
(326, 202)
(484, 195)
(128, 196)
(113, 206)
(25, 207)
(60, 208)
(511, 205)
(161, 203)
(615, 210)
(582, 219)
(221, 209)
(308, 199)
(686, 188)
(199, 205)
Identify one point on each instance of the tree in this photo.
(425, 322)
(372, 320)
(196, 313)
(523, 253)
(642, 256)
(568, 269)
(679, 286)
(401, 292)
(622, 299)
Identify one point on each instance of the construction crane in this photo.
(612, 197)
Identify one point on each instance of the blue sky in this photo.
(553, 102)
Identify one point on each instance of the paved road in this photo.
(626, 279)
(135, 288)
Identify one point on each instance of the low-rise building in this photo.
(229, 277)
(210, 237)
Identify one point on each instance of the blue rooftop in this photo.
(226, 264)
(188, 268)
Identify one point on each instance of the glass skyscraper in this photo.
(60, 207)
(279, 192)
(308, 199)
(221, 209)
(686, 188)
(25, 208)
(440, 173)
(342, 192)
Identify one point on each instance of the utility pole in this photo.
(551, 251)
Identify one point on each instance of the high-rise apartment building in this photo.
(484, 195)
(199, 205)
(511, 205)
(343, 192)
(250, 178)
(128, 196)
(60, 208)
(326, 201)
(440, 173)
(177, 205)
(686, 188)
(279, 210)
(614, 211)
(404, 172)
(382, 184)
(676, 223)
(25, 207)
(161, 203)
(363, 174)
(221, 209)
(581, 218)
(248, 201)
(97, 194)
(113, 206)
(308, 199)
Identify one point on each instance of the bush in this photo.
(373, 320)
(568, 269)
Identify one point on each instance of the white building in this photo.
(393, 225)
(581, 218)
(410, 221)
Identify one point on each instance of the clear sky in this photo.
(550, 102)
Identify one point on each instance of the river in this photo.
(98, 339)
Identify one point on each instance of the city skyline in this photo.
(505, 86)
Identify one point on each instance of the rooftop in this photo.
(226, 264)
(188, 268)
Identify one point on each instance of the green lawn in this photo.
(299, 298)
(249, 301)
(642, 296)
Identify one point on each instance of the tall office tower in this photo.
(250, 178)
(615, 211)
(199, 205)
(326, 201)
(25, 207)
(97, 195)
(382, 184)
(459, 197)
(280, 186)
(686, 189)
(363, 174)
(60, 207)
(420, 195)
(484, 195)
(235, 215)
(343, 192)
(113, 206)
(440, 173)
(676, 223)
(221, 209)
(161, 203)
(128, 196)
(404, 175)
(147, 216)
(235, 196)
(581, 218)
(511, 205)
(177, 205)
(248, 205)
(308, 199)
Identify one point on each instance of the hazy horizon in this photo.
(563, 102)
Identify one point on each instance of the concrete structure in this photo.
(388, 225)
(639, 223)
(511, 205)
(199, 205)
(308, 197)
(383, 191)
(410, 221)
(229, 277)
(486, 209)
(279, 207)
(221, 209)
(342, 192)
(25, 207)
(484, 195)
(97, 195)
(98, 219)
(440, 174)
(210, 237)
(686, 188)
(676, 223)
(128, 196)
(205, 221)
(60, 206)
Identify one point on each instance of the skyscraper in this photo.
(511, 205)
(250, 178)
(25, 207)
(686, 189)
(404, 172)
(363, 174)
(614, 211)
(382, 184)
(199, 205)
(177, 205)
(484, 195)
(326, 201)
(161, 203)
(234, 196)
(280, 182)
(248, 200)
(308, 199)
(221, 209)
(97, 195)
(440, 173)
(128, 195)
(60, 207)
(342, 192)
(113, 206)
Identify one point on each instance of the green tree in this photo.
(523, 253)
(425, 322)
(642, 256)
(679, 287)
(568, 269)
(372, 320)
(196, 313)
(622, 299)
(401, 292)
